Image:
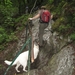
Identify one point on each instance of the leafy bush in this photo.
(2, 35)
(11, 37)
(72, 36)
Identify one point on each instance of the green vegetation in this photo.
(13, 17)
(64, 16)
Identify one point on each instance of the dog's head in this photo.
(36, 42)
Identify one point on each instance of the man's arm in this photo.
(35, 17)
(51, 16)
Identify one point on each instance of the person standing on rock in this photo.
(44, 18)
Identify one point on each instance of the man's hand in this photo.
(30, 18)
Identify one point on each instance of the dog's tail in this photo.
(9, 62)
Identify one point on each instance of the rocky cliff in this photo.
(56, 57)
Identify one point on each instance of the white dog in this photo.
(23, 58)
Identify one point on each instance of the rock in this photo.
(55, 57)
(61, 63)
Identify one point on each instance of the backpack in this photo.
(45, 16)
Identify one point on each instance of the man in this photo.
(42, 25)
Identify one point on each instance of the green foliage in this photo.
(8, 3)
(9, 22)
(8, 10)
(22, 19)
(51, 1)
(72, 36)
(2, 35)
(7, 26)
(65, 17)
(5, 38)
(63, 28)
(58, 23)
(2, 47)
(6, 19)
(11, 37)
(21, 22)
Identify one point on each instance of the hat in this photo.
(43, 7)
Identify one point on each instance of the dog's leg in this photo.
(17, 67)
(24, 66)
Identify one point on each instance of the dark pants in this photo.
(42, 26)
